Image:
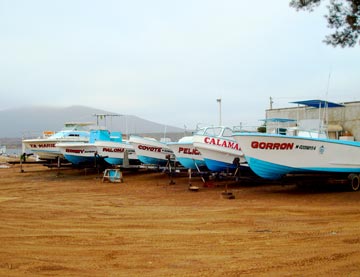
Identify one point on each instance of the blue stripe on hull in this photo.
(150, 160)
(190, 163)
(79, 160)
(114, 161)
(268, 170)
(274, 171)
(218, 166)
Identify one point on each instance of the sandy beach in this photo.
(70, 223)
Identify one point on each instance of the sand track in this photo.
(72, 224)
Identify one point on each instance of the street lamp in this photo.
(219, 101)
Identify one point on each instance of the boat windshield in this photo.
(227, 132)
(70, 134)
(75, 127)
(200, 131)
(213, 131)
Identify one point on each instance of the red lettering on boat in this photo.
(76, 151)
(222, 143)
(189, 151)
(272, 146)
(113, 150)
(44, 145)
(150, 148)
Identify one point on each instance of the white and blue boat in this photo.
(186, 153)
(117, 151)
(102, 144)
(45, 147)
(272, 156)
(151, 151)
(218, 148)
(83, 152)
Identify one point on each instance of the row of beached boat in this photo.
(271, 155)
(211, 148)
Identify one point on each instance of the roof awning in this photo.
(318, 104)
(277, 119)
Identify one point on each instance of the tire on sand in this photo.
(354, 182)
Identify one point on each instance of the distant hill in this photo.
(32, 121)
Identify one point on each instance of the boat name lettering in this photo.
(305, 147)
(114, 150)
(150, 148)
(222, 143)
(76, 151)
(42, 145)
(272, 145)
(189, 151)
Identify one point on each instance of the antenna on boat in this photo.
(326, 113)
(104, 116)
(165, 130)
(219, 101)
(126, 127)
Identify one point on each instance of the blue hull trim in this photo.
(79, 160)
(218, 166)
(268, 170)
(190, 163)
(150, 160)
(274, 171)
(114, 161)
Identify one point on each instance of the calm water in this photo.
(14, 151)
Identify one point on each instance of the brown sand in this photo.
(72, 224)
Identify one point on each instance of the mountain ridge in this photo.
(31, 121)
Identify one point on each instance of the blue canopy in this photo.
(318, 104)
(277, 119)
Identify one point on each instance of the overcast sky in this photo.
(169, 60)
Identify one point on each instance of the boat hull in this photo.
(273, 156)
(79, 153)
(219, 153)
(114, 152)
(187, 155)
(46, 149)
(151, 151)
